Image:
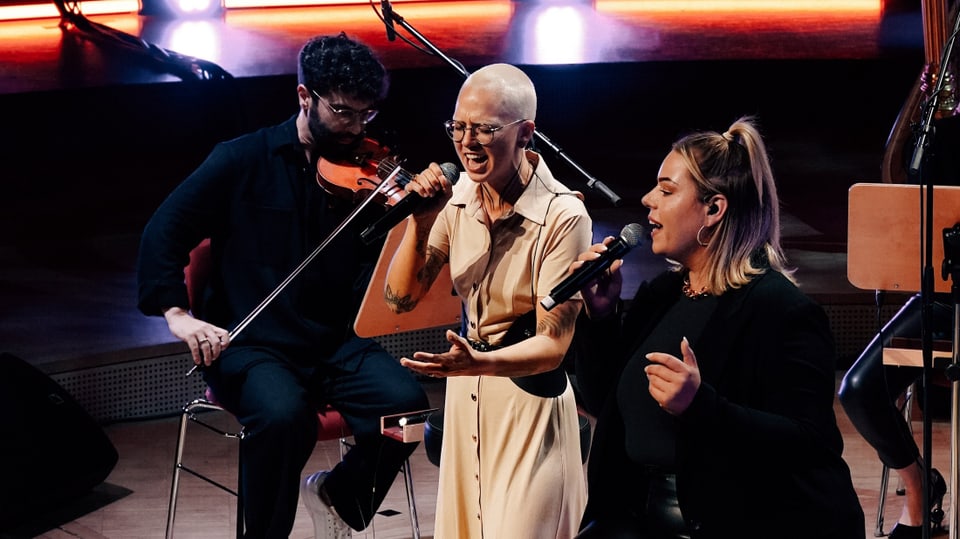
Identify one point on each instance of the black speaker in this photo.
(51, 450)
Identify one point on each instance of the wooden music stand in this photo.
(884, 235)
(884, 243)
(439, 308)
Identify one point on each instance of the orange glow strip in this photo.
(237, 4)
(680, 6)
(39, 28)
(103, 7)
(243, 4)
(48, 10)
(480, 9)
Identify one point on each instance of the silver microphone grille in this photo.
(451, 172)
(632, 234)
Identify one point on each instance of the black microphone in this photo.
(629, 238)
(406, 206)
(387, 10)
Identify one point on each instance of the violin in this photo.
(354, 178)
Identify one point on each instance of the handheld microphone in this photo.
(628, 239)
(406, 206)
(387, 10)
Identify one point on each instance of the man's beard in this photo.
(328, 144)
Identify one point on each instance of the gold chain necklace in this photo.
(687, 291)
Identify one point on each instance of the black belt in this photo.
(481, 346)
(545, 384)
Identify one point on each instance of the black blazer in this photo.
(758, 450)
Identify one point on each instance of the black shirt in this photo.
(654, 446)
(256, 197)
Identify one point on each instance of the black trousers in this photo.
(660, 518)
(869, 390)
(277, 401)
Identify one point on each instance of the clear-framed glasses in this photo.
(348, 115)
(482, 133)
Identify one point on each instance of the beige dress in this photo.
(510, 462)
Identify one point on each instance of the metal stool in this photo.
(331, 425)
(906, 408)
(904, 352)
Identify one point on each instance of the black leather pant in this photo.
(869, 390)
(660, 519)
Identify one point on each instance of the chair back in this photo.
(197, 275)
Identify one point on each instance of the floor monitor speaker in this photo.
(51, 450)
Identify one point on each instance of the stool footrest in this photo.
(406, 428)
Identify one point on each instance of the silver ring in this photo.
(201, 341)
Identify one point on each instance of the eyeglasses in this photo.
(482, 133)
(347, 115)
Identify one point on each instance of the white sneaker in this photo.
(327, 524)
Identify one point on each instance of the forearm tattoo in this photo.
(425, 276)
(431, 268)
(401, 305)
(560, 321)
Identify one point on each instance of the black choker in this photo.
(687, 291)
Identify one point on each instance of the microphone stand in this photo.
(915, 171)
(592, 182)
(951, 270)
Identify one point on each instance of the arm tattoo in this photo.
(425, 276)
(421, 246)
(560, 320)
(431, 268)
(401, 305)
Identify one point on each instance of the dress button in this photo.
(473, 325)
(474, 437)
(473, 397)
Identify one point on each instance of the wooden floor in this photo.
(143, 474)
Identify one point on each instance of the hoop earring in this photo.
(699, 241)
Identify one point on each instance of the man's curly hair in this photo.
(337, 63)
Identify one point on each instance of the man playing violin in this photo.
(258, 200)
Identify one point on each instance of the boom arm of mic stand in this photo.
(453, 63)
(592, 182)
